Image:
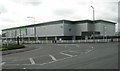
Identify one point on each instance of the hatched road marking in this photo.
(66, 54)
(2, 63)
(53, 58)
(32, 61)
(66, 50)
(88, 51)
(24, 68)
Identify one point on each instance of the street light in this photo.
(93, 22)
(34, 27)
(93, 13)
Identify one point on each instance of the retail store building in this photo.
(60, 30)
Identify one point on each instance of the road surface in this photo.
(65, 56)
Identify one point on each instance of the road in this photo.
(65, 56)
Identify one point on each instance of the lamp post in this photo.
(93, 13)
(104, 32)
(93, 22)
(34, 27)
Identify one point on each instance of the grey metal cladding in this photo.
(59, 21)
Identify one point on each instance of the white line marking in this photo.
(75, 55)
(74, 51)
(66, 54)
(24, 68)
(43, 63)
(32, 61)
(53, 58)
(51, 62)
(66, 50)
(88, 51)
(2, 63)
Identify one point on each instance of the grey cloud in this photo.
(112, 6)
(26, 2)
(119, 16)
(63, 12)
(111, 11)
(108, 16)
(3, 9)
(33, 3)
(107, 11)
(82, 3)
(8, 20)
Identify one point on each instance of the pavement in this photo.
(64, 56)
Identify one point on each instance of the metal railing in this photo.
(63, 41)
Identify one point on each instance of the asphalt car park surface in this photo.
(65, 56)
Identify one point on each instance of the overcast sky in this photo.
(14, 13)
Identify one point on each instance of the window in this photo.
(4, 35)
(61, 26)
(26, 31)
(70, 29)
(15, 32)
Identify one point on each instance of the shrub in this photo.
(3, 49)
(11, 47)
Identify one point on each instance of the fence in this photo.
(64, 41)
(77, 40)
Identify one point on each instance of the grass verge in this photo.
(11, 47)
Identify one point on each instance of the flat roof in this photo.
(60, 21)
(95, 21)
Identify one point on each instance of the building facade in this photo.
(61, 29)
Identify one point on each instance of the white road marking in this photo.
(66, 54)
(24, 68)
(53, 58)
(43, 63)
(2, 63)
(66, 50)
(88, 51)
(51, 62)
(74, 51)
(32, 61)
(75, 55)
